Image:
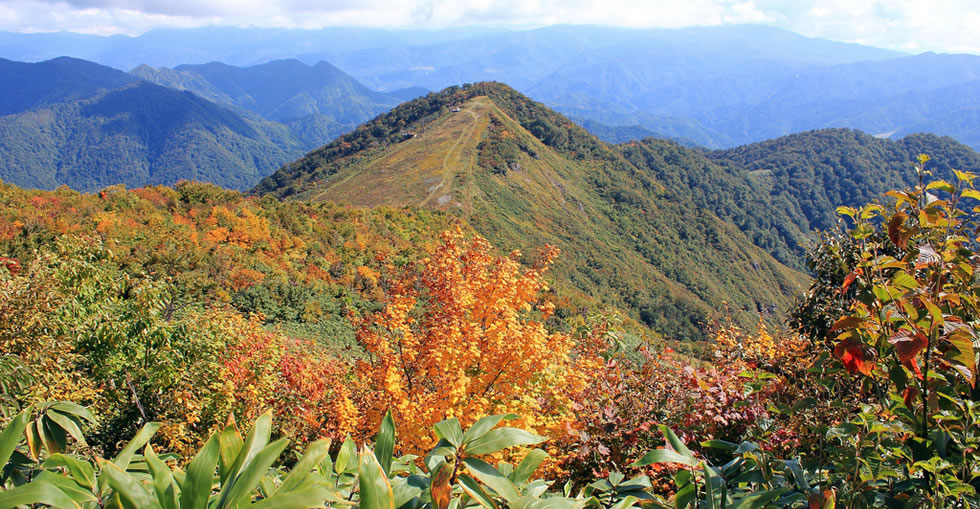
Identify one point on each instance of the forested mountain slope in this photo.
(317, 102)
(524, 176)
(138, 135)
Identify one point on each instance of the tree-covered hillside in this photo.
(316, 102)
(137, 135)
(523, 175)
(24, 86)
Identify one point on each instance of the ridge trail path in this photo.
(453, 155)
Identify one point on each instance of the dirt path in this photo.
(453, 154)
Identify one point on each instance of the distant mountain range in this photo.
(72, 122)
(715, 86)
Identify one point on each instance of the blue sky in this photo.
(908, 25)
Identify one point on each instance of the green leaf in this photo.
(757, 500)
(384, 445)
(128, 488)
(347, 457)
(80, 494)
(375, 489)
(450, 431)
(67, 407)
(143, 436)
(81, 471)
(54, 437)
(407, 490)
(480, 427)
(525, 469)
(313, 496)
(474, 490)
(238, 488)
(846, 211)
(661, 456)
(230, 444)
(676, 443)
(36, 493)
(163, 480)
(489, 476)
(314, 454)
(68, 425)
(502, 438)
(11, 435)
(255, 442)
(196, 488)
(626, 503)
(720, 444)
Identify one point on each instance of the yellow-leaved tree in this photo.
(462, 336)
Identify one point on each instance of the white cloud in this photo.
(916, 25)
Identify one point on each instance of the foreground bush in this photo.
(235, 471)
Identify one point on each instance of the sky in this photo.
(915, 26)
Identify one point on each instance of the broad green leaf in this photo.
(557, 503)
(54, 437)
(684, 496)
(757, 500)
(347, 457)
(375, 489)
(714, 492)
(128, 488)
(239, 487)
(11, 435)
(474, 490)
(676, 443)
(314, 454)
(143, 436)
(626, 503)
(409, 489)
(384, 444)
(80, 494)
(661, 456)
(525, 469)
(196, 488)
(256, 441)
(68, 425)
(67, 407)
(36, 493)
(480, 427)
(81, 471)
(489, 476)
(230, 444)
(720, 444)
(450, 431)
(313, 496)
(502, 438)
(168, 495)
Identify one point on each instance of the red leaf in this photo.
(856, 356)
(894, 231)
(848, 280)
(908, 345)
(909, 395)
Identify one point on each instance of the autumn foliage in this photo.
(462, 336)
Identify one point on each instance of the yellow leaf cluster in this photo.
(461, 337)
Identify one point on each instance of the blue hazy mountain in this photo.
(317, 102)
